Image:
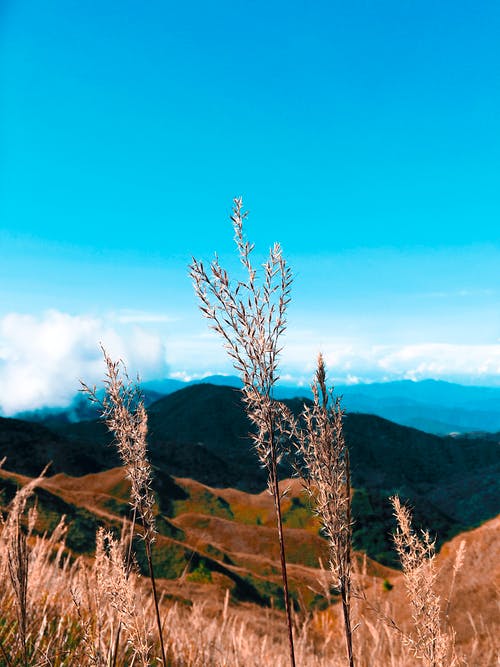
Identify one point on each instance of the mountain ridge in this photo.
(435, 406)
(202, 432)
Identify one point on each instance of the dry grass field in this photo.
(75, 602)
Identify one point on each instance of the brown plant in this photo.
(251, 318)
(323, 463)
(124, 413)
(429, 642)
(17, 557)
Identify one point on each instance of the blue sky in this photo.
(363, 136)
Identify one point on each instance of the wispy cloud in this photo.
(442, 360)
(461, 363)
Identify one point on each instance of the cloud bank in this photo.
(469, 364)
(352, 362)
(42, 358)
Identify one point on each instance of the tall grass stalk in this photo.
(17, 555)
(121, 594)
(428, 642)
(324, 465)
(124, 413)
(128, 564)
(251, 319)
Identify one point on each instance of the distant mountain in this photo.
(433, 406)
(201, 432)
(453, 482)
(80, 409)
(430, 405)
(163, 387)
(29, 447)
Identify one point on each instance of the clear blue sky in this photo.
(364, 136)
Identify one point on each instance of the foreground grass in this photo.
(74, 606)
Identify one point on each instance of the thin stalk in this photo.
(125, 415)
(130, 544)
(127, 569)
(324, 464)
(7, 659)
(18, 569)
(346, 579)
(277, 507)
(347, 623)
(251, 319)
(155, 598)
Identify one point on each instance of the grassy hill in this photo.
(214, 540)
(201, 432)
(216, 548)
(204, 533)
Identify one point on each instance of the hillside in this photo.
(201, 432)
(29, 447)
(207, 532)
(213, 539)
(474, 598)
(216, 540)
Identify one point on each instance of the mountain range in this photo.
(201, 432)
(433, 406)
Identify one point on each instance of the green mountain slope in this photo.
(201, 432)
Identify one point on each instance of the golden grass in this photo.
(204, 628)
(250, 317)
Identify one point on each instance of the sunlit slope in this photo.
(211, 540)
(219, 537)
(201, 433)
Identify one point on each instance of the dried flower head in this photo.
(323, 462)
(428, 641)
(123, 411)
(251, 317)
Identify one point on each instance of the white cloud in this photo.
(349, 362)
(459, 363)
(442, 360)
(42, 358)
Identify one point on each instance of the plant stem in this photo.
(7, 659)
(130, 545)
(273, 473)
(347, 623)
(346, 578)
(127, 569)
(155, 598)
